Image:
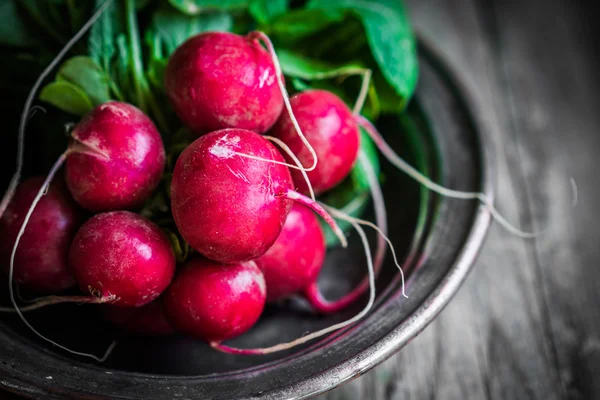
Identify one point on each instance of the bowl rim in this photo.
(403, 333)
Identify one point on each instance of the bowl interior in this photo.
(436, 134)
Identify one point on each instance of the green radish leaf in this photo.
(195, 7)
(13, 30)
(301, 23)
(87, 75)
(141, 4)
(264, 11)
(102, 40)
(67, 97)
(298, 66)
(390, 102)
(390, 38)
(172, 28)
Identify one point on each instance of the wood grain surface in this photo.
(526, 324)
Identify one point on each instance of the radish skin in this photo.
(200, 69)
(41, 261)
(330, 128)
(293, 262)
(117, 158)
(213, 301)
(122, 254)
(229, 207)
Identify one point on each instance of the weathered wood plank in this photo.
(521, 327)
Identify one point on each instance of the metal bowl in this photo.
(439, 238)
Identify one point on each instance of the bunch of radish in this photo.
(242, 196)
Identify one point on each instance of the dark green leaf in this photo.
(195, 7)
(390, 102)
(300, 23)
(297, 66)
(173, 27)
(102, 42)
(264, 11)
(13, 30)
(44, 14)
(141, 4)
(79, 12)
(390, 38)
(86, 74)
(67, 97)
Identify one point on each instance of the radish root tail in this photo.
(36, 200)
(312, 293)
(51, 300)
(316, 207)
(286, 346)
(402, 165)
(286, 99)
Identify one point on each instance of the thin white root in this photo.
(25, 115)
(290, 153)
(36, 200)
(378, 207)
(364, 90)
(402, 165)
(286, 99)
(314, 335)
(340, 215)
(52, 300)
(316, 207)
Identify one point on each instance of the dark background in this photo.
(526, 324)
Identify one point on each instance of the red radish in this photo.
(117, 158)
(218, 80)
(229, 203)
(213, 301)
(295, 259)
(331, 129)
(217, 343)
(41, 261)
(122, 254)
(147, 320)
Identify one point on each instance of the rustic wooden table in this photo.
(526, 324)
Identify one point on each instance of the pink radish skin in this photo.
(228, 206)
(147, 320)
(213, 302)
(117, 158)
(331, 129)
(218, 80)
(295, 259)
(122, 254)
(41, 259)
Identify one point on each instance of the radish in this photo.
(213, 301)
(41, 261)
(331, 129)
(122, 254)
(216, 343)
(116, 158)
(230, 195)
(218, 80)
(147, 320)
(293, 262)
